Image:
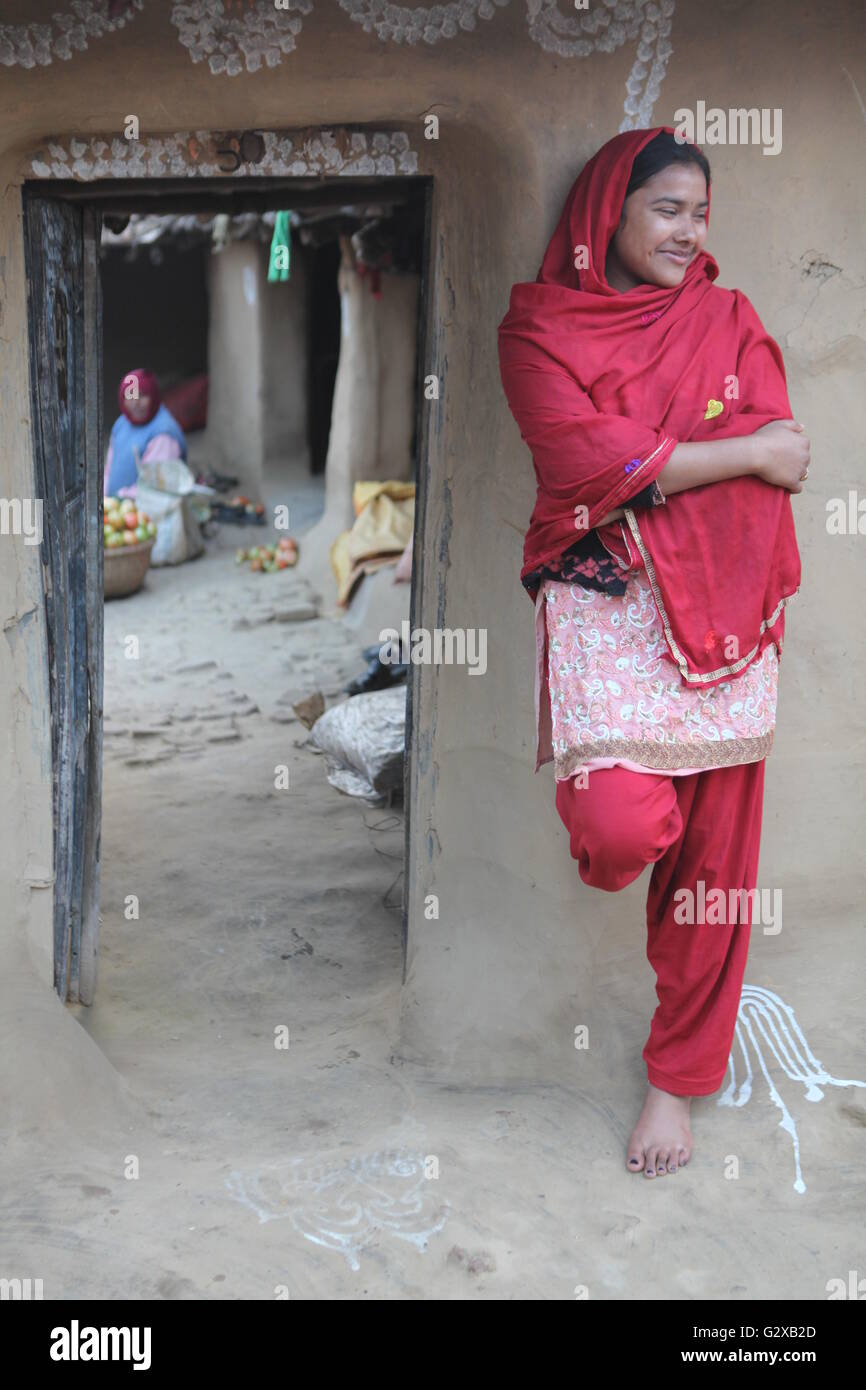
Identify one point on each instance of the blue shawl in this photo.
(126, 437)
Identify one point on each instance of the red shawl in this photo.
(603, 385)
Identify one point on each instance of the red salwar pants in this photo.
(706, 825)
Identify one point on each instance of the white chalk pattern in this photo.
(343, 1207)
(260, 36)
(231, 42)
(380, 153)
(69, 31)
(762, 1012)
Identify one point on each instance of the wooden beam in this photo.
(230, 194)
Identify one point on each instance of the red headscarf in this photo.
(147, 386)
(603, 385)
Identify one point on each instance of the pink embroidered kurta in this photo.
(606, 695)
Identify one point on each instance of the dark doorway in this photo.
(62, 231)
(141, 290)
(324, 349)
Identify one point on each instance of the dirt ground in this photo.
(159, 1144)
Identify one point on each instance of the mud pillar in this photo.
(235, 431)
(373, 412)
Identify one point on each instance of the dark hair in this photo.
(661, 152)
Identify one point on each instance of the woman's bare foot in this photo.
(661, 1141)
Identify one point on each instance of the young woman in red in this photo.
(660, 555)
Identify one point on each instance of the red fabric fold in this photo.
(603, 385)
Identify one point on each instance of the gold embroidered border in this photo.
(617, 561)
(689, 677)
(664, 757)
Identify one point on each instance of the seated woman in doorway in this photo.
(660, 556)
(144, 432)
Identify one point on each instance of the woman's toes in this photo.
(684, 1156)
(651, 1156)
(635, 1158)
(662, 1164)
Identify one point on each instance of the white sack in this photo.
(363, 739)
(169, 494)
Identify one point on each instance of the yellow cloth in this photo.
(385, 515)
(362, 493)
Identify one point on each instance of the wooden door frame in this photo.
(73, 621)
(76, 980)
(93, 434)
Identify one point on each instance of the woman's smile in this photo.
(674, 202)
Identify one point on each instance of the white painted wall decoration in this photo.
(233, 41)
(188, 152)
(604, 29)
(405, 24)
(69, 30)
(254, 34)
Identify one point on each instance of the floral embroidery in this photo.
(614, 693)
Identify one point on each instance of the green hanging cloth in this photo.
(281, 248)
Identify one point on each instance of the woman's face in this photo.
(663, 227)
(139, 410)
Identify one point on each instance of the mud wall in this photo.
(496, 982)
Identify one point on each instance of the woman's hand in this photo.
(782, 454)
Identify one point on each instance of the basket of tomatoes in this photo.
(128, 537)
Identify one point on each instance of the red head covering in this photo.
(139, 383)
(603, 386)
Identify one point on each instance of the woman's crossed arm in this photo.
(777, 452)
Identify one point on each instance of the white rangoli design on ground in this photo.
(763, 1013)
(344, 1206)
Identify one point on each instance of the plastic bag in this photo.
(169, 494)
(364, 739)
